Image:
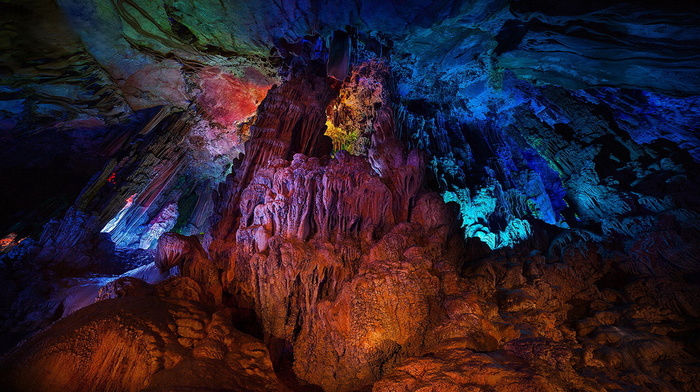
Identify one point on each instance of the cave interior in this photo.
(340, 196)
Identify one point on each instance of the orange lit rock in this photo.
(187, 254)
(465, 370)
(140, 343)
(124, 287)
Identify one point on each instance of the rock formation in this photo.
(353, 196)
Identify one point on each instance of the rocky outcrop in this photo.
(187, 254)
(314, 277)
(274, 168)
(543, 37)
(153, 343)
(550, 324)
(290, 120)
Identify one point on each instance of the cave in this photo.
(349, 196)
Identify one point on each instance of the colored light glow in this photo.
(343, 140)
(228, 99)
(477, 210)
(112, 224)
(163, 222)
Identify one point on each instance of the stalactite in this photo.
(349, 196)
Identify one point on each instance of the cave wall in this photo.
(341, 196)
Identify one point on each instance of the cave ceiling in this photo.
(530, 71)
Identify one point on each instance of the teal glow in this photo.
(477, 210)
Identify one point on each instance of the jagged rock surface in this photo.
(562, 135)
(139, 343)
(580, 322)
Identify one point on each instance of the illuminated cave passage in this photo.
(349, 196)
